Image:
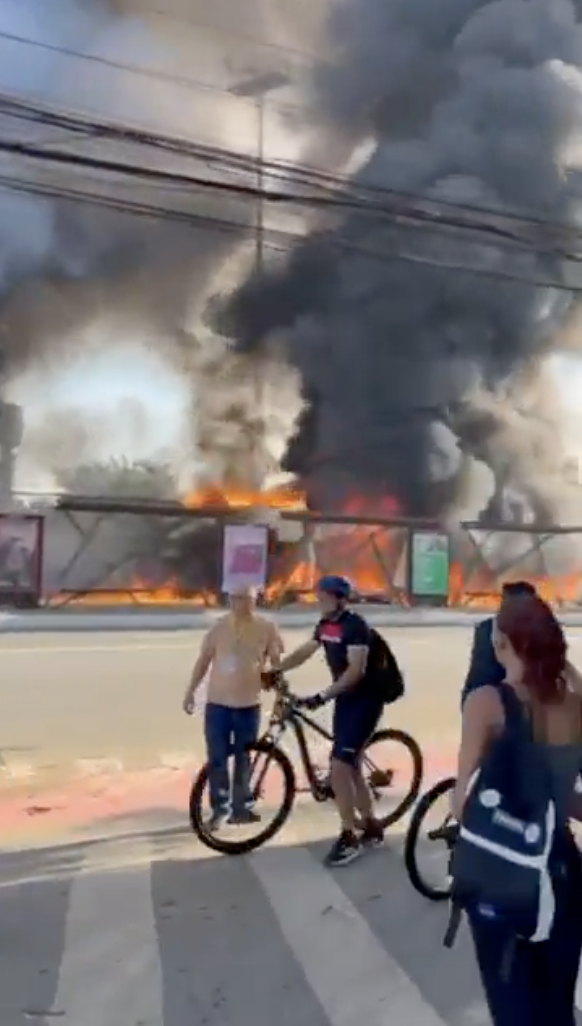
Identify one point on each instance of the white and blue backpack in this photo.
(500, 865)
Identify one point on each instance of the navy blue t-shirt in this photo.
(339, 634)
(484, 667)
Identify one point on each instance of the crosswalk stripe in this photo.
(111, 970)
(349, 970)
(297, 936)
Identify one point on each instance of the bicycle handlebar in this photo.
(282, 689)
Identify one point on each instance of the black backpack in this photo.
(501, 862)
(384, 673)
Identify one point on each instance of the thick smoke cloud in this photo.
(67, 266)
(414, 371)
(414, 376)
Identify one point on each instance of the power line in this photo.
(337, 197)
(219, 30)
(149, 74)
(18, 109)
(420, 206)
(276, 240)
(341, 201)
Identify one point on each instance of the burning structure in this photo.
(414, 186)
(175, 556)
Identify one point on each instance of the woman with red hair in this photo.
(529, 642)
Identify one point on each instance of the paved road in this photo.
(142, 928)
(66, 704)
(146, 930)
(105, 703)
(111, 913)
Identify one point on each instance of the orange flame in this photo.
(284, 498)
(374, 557)
(482, 589)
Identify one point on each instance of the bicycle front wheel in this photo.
(393, 767)
(429, 842)
(271, 787)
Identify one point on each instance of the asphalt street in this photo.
(118, 916)
(141, 927)
(70, 704)
(98, 703)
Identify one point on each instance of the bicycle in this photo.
(415, 845)
(266, 754)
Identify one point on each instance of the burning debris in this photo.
(177, 555)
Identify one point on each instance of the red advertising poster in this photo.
(244, 559)
(21, 538)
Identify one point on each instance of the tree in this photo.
(120, 478)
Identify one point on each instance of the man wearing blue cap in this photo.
(345, 638)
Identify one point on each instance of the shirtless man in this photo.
(234, 652)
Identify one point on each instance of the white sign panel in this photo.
(244, 556)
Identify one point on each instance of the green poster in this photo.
(430, 564)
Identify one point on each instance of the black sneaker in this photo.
(344, 850)
(244, 817)
(372, 835)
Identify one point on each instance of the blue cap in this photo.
(334, 585)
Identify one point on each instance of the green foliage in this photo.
(121, 478)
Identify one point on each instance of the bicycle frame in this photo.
(285, 715)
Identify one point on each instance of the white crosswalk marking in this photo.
(352, 974)
(132, 932)
(110, 972)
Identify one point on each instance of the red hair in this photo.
(538, 639)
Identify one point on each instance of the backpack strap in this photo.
(455, 917)
(516, 721)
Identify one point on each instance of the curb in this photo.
(43, 621)
(14, 623)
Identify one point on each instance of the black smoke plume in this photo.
(412, 371)
(419, 379)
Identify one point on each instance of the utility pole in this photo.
(258, 87)
(259, 250)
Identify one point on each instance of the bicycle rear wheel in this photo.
(428, 845)
(267, 763)
(393, 766)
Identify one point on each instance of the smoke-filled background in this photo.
(349, 345)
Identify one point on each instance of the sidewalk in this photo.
(167, 618)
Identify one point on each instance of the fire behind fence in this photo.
(106, 553)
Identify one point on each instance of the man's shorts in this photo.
(354, 721)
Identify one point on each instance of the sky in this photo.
(567, 371)
(137, 407)
(141, 407)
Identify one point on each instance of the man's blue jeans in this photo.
(228, 732)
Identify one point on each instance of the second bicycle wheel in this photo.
(271, 795)
(429, 841)
(392, 765)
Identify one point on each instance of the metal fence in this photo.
(160, 553)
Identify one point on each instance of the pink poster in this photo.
(245, 552)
